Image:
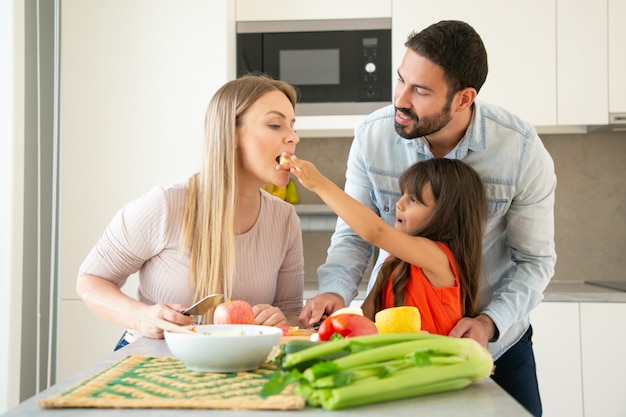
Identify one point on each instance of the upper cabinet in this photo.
(254, 10)
(617, 60)
(542, 66)
(522, 64)
(582, 60)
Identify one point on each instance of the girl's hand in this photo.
(169, 312)
(306, 172)
(268, 315)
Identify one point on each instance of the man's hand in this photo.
(480, 328)
(318, 307)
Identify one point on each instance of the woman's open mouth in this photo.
(283, 162)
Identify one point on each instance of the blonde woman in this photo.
(218, 232)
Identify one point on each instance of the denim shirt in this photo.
(518, 244)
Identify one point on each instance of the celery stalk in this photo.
(352, 344)
(345, 397)
(440, 346)
(385, 367)
(410, 382)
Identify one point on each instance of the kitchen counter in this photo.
(483, 399)
(558, 291)
(580, 292)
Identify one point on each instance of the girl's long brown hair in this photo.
(457, 221)
(209, 218)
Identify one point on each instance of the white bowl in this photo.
(224, 347)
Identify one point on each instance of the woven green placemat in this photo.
(149, 382)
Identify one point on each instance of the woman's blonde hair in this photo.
(208, 225)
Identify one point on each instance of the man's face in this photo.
(421, 97)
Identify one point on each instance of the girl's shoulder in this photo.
(449, 255)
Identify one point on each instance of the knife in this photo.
(204, 305)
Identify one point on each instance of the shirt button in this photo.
(386, 209)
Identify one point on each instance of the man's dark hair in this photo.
(457, 49)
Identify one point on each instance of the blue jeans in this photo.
(516, 373)
(121, 343)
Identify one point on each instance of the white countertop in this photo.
(580, 292)
(557, 291)
(482, 399)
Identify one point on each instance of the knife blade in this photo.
(204, 305)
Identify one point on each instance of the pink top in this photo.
(145, 235)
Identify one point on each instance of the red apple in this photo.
(233, 312)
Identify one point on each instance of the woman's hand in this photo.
(268, 315)
(168, 312)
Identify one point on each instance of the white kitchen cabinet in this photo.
(579, 350)
(617, 59)
(136, 78)
(267, 10)
(556, 343)
(520, 38)
(582, 52)
(603, 343)
(547, 59)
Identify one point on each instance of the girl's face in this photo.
(266, 131)
(411, 214)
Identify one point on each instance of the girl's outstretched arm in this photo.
(367, 224)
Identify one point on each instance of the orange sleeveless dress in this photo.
(440, 308)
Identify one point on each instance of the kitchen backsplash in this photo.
(590, 212)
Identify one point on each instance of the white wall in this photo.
(11, 181)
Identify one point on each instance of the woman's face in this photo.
(266, 131)
(411, 214)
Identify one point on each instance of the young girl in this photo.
(435, 244)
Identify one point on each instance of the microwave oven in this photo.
(339, 67)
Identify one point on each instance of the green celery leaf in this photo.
(343, 378)
(420, 358)
(279, 381)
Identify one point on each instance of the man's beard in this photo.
(426, 125)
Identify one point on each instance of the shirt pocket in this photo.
(496, 210)
(385, 202)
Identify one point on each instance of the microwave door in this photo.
(319, 64)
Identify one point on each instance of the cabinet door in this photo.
(556, 343)
(603, 336)
(617, 57)
(582, 62)
(520, 38)
(268, 10)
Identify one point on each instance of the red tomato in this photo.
(347, 325)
